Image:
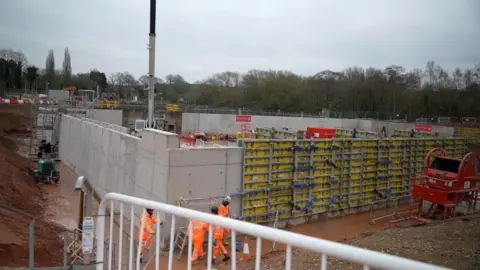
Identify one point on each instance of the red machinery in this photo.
(447, 183)
(191, 137)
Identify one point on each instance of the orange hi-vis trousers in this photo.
(218, 235)
(198, 236)
(148, 223)
(147, 237)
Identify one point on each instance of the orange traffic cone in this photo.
(246, 251)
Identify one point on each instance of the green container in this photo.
(40, 165)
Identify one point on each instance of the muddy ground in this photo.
(453, 244)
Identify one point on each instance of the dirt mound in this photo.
(19, 190)
(13, 122)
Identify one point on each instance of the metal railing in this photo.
(360, 256)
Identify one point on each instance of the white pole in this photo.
(151, 64)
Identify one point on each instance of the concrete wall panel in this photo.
(98, 153)
(204, 173)
(114, 117)
(215, 123)
(117, 162)
(190, 122)
(227, 122)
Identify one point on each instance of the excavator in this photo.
(72, 89)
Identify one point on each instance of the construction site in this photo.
(363, 182)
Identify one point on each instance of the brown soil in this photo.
(452, 244)
(18, 189)
(13, 121)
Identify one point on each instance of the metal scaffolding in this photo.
(43, 127)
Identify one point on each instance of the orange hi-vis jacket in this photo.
(148, 223)
(218, 232)
(198, 230)
(223, 211)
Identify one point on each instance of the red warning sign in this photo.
(243, 118)
(423, 127)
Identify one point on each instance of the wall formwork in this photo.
(472, 133)
(294, 178)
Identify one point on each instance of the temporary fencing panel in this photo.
(298, 177)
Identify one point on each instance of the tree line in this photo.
(431, 91)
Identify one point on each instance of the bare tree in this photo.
(468, 77)
(430, 74)
(50, 66)
(67, 67)
(457, 78)
(16, 56)
(476, 73)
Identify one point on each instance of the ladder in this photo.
(181, 240)
(275, 224)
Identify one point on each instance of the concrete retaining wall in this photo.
(216, 123)
(107, 125)
(204, 173)
(154, 167)
(107, 157)
(114, 117)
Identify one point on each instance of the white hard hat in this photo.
(228, 199)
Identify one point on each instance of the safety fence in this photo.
(360, 256)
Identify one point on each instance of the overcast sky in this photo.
(196, 38)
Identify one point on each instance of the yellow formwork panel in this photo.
(283, 206)
(254, 201)
(256, 152)
(473, 134)
(349, 168)
(256, 168)
(250, 186)
(261, 160)
(256, 177)
(280, 192)
(281, 175)
(254, 145)
(276, 159)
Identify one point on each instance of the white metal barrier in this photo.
(364, 257)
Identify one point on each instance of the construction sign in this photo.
(245, 127)
(87, 235)
(243, 118)
(423, 127)
(172, 107)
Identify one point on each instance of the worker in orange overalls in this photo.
(218, 236)
(198, 236)
(224, 211)
(148, 220)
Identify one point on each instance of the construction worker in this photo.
(198, 236)
(224, 211)
(148, 220)
(218, 236)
